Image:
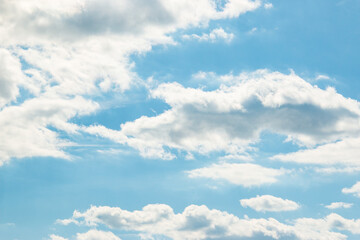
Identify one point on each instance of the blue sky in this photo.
(160, 119)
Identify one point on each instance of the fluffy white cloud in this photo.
(90, 235)
(214, 35)
(234, 8)
(244, 174)
(344, 152)
(233, 116)
(73, 20)
(96, 235)
(355, 190)
(200, 222)
(26, 126)
(336, 205)
(55, 237)
(331, 170)
(75, 50)
(308, 228)
(268, 203)
(11, 77)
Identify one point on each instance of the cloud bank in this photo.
(232, 117)
(63, 55)
(200, 222)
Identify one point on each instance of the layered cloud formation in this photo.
(58, 60)
(232, 117)
(200, 222)
(61, 56)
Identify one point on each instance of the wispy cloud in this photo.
(336, 205)
(215, 35)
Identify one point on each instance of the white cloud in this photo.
(310, 228)
(74, 51)
(11, 77)
(268, 203)
(38, 21)
(96, 235)
(232, 117)
(322, 77)
(331, 170)
(200, 222)
(234, 8)
(90, 235)
(268, 5)
(214, 35)
(253, 30)
(25, 126)
(343, 152)
(355, 190)
(244, 174)
(55, 237)
(336, 205)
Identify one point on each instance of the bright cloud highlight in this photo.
(233, 116)
(268, 203)
(200, 222)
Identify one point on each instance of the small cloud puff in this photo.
(322, 77)
(268, 5)
(268, 203)
(214, 35)
(56, 237)
(244, 174)
(355, 190)
(336, 205)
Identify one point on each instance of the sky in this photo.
(179, 119)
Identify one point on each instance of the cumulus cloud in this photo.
(355, 190)
(76, 50)
(244, 174)
(232, 117)
(26, 126)
(56, 237)
(74, 20)
(343, 152)
(268, 203)
(96, 235)
(306, 227)
(336, 205)
(214, 35)
(90, 235)
(200, 222)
